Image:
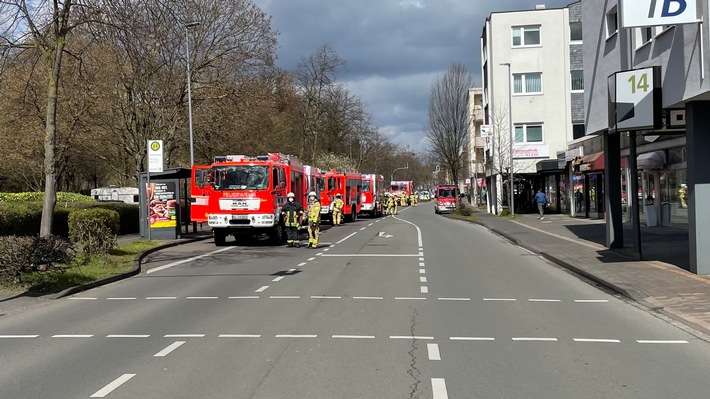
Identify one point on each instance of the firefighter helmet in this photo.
(338, 195)
(290, 195)
(312, 194)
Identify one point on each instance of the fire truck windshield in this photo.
(396, 187)
(444, 193)
(365, 186)
(241, 177)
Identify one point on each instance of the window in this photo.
(526, 35)
(612, 24)
(527, 83)
(575, 31)
(528, 134)
(578, 130)
(577, 80)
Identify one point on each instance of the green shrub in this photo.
(39, 197)
(20, 255)
(462, 210)
(505, 212)
(94, 230)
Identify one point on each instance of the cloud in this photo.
(412, 3)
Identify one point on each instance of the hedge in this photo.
(39, 197)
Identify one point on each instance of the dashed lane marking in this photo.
(408, 298)
(363, 228)
(319, 254)
(602, 340)
(122, 298)
(291, 271)
(279, 278)
(544, 300)
(301, 264)
(169, 349)
(422, 271)
(284, 297)
(262, 289)
(500, 299)
(433, 350)
(101, 393)
(591, 300)
(438, 388)
(83, 298)
(422, 264)
(421, 337)
(365, 255)
(541, 339)
(424, 289)
(160, 297)
(353, 336)
(311, 258)
(239, 336)
(202, 297)
(72, 336)
(421, 259)
(184, 336)
(244, 297)
(296, 336)
(422, 279)
(325, 297)
(19, 336)
(368, 297)
(472, 338)
(654, 341)
(128, 336)
(454, 299)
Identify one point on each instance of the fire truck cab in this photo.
(200, 188)
(402, 187)
(248, 192)
(373, 192)
(445, 199)
(349, 185)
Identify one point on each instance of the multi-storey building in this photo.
(475, 147)
(532, 103)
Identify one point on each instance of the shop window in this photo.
(527, 83)
(526, 35)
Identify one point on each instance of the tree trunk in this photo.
(50, 140)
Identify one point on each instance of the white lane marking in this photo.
(419, 232)
(500, 299)
(112, 385)
(332, 246)
(422, 271)
(654, 341)
(325, 297)
(121, 298)
(183, 335)
(422, 279)
(420, 254)
(202, 297)
(370, 224)
(410, 337)
(326, 249)
(319, 254)
(19, 336)
(341, 241)
(472, 338)
(279, 278)
(407, 298)
(296, 336)
(239, 336)
(363, 228)
(301, 264)
(596, 340)
(84, 298)
(128, 336)
(378, 255)
(262, 289)
(534, 339)
(381, 233)
(421, 259)
(180, 262)
(244, 297)
(433, 350)
(169, 349)
(292, 270)
(544, 300)
(377, 221)
(354, 336)
(454, 299)
(312, 258)
(421, 249)
(591, 300)
(422, 264)
(424, 289)
(161, 297)
(438, 388)
(368, 297)
(284, 297)
(72, 336)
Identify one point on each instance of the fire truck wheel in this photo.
(220, 237)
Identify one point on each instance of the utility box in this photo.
(666, 214)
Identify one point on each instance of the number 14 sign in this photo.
(635, 99)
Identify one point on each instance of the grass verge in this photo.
(471, 218)
(82, 271)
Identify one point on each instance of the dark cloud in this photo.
(394, 49)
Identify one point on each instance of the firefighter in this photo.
(413, 199)
(292, 213)
(404, 198)
(392, 205)
(338, 205)
(313, 220)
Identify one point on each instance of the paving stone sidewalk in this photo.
(658, 283)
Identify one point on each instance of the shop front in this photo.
(588, 186)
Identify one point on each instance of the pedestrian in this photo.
(338, 210)
(313, 220)
(541, 201)
(292, 214)
(578, 199)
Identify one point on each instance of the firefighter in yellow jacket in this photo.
(403, 198)
(338, 205)
(413, 199)
(392, 205)
(313, 220)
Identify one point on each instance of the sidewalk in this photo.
(658, 283)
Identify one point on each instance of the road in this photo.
(412, 306)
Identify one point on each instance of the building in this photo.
(673, 172)
(475, 149)
(531, 89)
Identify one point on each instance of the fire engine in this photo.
(445, 199)
(402, 187)
(373, 192)
(200, 188)
(349, 185)
(247, 194)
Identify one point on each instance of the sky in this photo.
(394, 49)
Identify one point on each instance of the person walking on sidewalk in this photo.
(541, 201)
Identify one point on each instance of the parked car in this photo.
(424, 196)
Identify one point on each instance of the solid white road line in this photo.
(279, 278)
(161, 297)
(202, 297)
(433, 350)
(128, 336)
(422, 279)
(424, 289)
(239, 336)
(169, 349)
(653, 341)
(534, 339)
(301, 264)
(341, 241)
(354, 336)
(454, 299)
(183, 335)
(406, 298)
(438, 388)
(284, 297)
(72, 336)
(111, 386)
(409, 337)
(500, 299)
(422, 271)
(419, 232)
(472, 338)
(360, 255)
(262, 289)
(422, 264)
(19, 336)
(83, 298)
(180, 262)
(596, 340)
(544, 300)
(591, 300)
(244, 297)
(325, 297)
(368, 297)
(296, 336)
(121, 298)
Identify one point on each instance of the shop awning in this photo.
(548, 165)
(651, 160)
(592, 162)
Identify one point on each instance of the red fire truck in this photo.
(373, 192)
(248, 192)
(445, 199)
(349, 185)
(200, 189)
(402, 187)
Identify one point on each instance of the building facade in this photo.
(475, 149)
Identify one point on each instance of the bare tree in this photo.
(447, 126)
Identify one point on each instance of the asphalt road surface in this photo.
(412, 306)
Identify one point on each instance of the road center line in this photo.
(72, 336)
(262, 289)
(433, 350)
(127, 336)
(202, 297)
(180, 262)
(112, 385)
(121, 298)
(296, 336)
(279, 278)
(472, 338)
(239, 336)
(500, 299)
(169, 349)
(652, 341)
(183, 335)
(19, 336)
(409, 337)
(354, 336)
(596, 340)
(341, 241)
(284, 297)
(454, 299)
(534, 339)
(368, 297)
(438, 388)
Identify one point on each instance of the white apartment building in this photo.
(475, 182)
(528, 52)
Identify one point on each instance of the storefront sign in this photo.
(531, 151)
(636, 13)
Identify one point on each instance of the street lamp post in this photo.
(511, 174)
(392, 174)
(189, 89)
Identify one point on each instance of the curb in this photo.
(136, 268)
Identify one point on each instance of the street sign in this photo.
(155, 156)
(486, 130)
(635, 99)
(636, 13)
